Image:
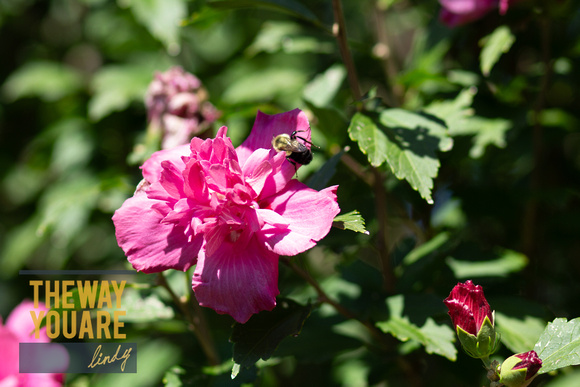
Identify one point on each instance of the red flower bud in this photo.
(518, 370)
(468, 307)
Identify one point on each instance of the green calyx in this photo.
(484, 344)
(513, 378)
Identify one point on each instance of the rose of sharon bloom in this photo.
(231, 212)
(19, 328)
(519, 370)
(468, 307)
(177, 105)
(458, 12)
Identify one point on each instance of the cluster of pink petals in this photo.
(231, 212)
(19, 328)
(177, 104)
(468, 307)
(458, 12)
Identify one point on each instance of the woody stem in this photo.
(196, 321)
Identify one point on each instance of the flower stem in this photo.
(339, 32)
(323, 297)
(196, 320)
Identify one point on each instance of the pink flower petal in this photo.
(8, 353)
(266, 127)
(238, 282)
(282, 173)
(467, 6)
(20, 322)
(309, 214)
(152, 167)
(150, 245)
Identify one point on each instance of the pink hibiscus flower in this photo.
(231, 212)
(458, 12)
(19, 328)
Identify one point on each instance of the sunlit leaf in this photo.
(322, 89)
(519, 334)
(20, 243)
(460, 120)
(66, 206)
(172, 377)
(49, 81)
(154, 357)
(141, 308)
(494, 45)
(427, 248)
(264, 85)
(509, 261)
(116, 86)
(437, 339)
(284, 36)
(406, 141)
(162, 18)
(351, 221)
(559, 345)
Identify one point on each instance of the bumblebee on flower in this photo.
(229, 211)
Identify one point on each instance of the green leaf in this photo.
(437, 339)
(172, 377)
(264, 85)
(18, 245)
(494, 45)
(66, 206)
(291, 7)
(351, 221)
(458, 115)
(454, 112)
(559, 345)
(486, 131)
(260, 336)
(154, 357)
(322, 89)
(508, 262)
(407, 142)
(141, 308)
(116, 86)
(427, 248)
(519, 334)
(47, 80)
(162, 18)
(371, 140)
(284, 36)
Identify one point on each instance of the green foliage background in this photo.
(463, 159)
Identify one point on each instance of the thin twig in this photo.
(530, 218)
(323, 297)
(339, 32)
(385, 52)
(196, 321)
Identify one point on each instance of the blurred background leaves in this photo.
(498, 100)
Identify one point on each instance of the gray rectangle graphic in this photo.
(78, 358)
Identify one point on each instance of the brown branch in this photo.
(339, 32)
(323, 297)
(195, 319)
